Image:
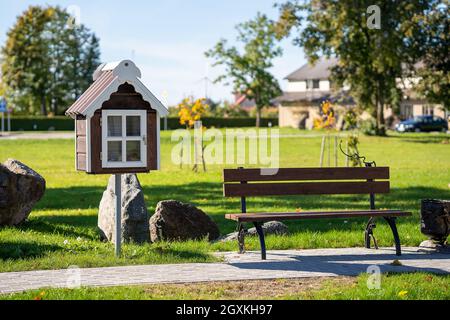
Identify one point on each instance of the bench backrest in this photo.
(305, 181)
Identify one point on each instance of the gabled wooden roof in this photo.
(107, 79)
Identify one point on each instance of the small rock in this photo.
(135, 217)
(20, 189)
(396, 263)
(271, 227)
(431, 246)
(174, 220)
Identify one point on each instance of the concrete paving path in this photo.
(279, 264)
(29, 135)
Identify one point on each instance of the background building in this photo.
(310, 85)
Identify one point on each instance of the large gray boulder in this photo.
(20, 188)
(134, 211)
(174, 220)
(271, 227)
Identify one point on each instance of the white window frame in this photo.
(142, 138)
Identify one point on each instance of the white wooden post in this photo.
(118, 216)
(197, 144)
(329, 150)
(322, 150)
(335, 151)
(3, 122)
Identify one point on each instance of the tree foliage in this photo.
(46, 61)
(370, 60)
(248, 69)
(191, 110)
(434, 74)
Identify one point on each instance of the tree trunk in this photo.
(55, 106)
(380, 129)
(43, 105)
(258, 117)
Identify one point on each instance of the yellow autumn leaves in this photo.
(190, 110)
(327, 119)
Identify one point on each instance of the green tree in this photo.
(370, 59)
(434, 74)
(46, 61)
(249, 70)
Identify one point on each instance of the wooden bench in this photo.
(309, 181)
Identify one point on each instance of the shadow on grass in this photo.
(427, 138)
(23, 250)
(209, 195)
(67, 225)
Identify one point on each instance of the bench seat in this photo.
(369, 181)
(270, 216)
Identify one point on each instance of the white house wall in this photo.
(324, 85)
(300, 86)
(296, 86)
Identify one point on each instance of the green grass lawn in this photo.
(61, 230)
(393, 287)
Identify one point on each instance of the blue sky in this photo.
(167, 38)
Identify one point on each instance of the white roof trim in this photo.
(125, 71)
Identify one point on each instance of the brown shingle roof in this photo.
(105, 79)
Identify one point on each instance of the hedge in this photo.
(174, 123)
(42, 124)
(61, 123)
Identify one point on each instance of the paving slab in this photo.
(248, 266)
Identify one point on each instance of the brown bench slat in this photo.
(305, 188)
(261, 217)
(290, 174)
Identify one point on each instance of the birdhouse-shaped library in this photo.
(117, 122)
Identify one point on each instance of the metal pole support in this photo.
(118, 215)
(9, 122)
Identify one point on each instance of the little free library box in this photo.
(117, 122)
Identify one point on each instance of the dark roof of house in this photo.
(315, 97)
(319, 70)
(244, 102)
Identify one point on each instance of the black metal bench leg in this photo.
(368, 234)
(391, 222)
(241, 236)
(262, 242)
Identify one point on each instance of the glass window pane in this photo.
(316, 84)
(133, 126)
(115, 151)
(133, 151)
(114, 126)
